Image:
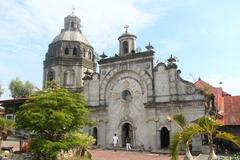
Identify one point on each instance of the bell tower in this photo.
(127, 43)
(69, 55)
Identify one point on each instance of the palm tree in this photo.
(179, 137)
(6, 127)
(210, 127)
(206, 125)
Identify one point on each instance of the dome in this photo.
(71, 35)
(71, 30)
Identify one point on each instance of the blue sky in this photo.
(204, 35)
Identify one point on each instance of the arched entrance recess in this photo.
(94, 134)
(165, 137)
(127, 131)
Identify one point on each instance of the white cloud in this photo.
(28, 26)
(103, 20)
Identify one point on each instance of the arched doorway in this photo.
(164, 133)
(94, 134)
(127, 131)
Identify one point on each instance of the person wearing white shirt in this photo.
(115, 141)
(128, 144)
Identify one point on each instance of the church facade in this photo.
(130, 96)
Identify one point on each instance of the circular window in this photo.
(126, 95)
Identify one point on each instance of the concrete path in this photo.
(98, 154)
(11, 142)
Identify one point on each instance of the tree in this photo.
(19, 89)
(206, 125)
(210, 127)
(80, 141)
(6, 127)
(178, 137)
(50, 115)
(1, 90)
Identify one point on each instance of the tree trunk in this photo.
(212, 155)
(188, 155)
(83, 152)
(1, 138)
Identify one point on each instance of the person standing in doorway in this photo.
(128, 144)
(115, 141)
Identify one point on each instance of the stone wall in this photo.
(135, 93)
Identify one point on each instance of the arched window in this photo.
(84, 52)
(165, 137)
(50, 75)
(75, 51)
(125, 47)
(89, 55)
(66, 51)
(94, 134)
(69, 77)
(72, 24)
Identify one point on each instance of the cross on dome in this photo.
(73, 9)
(126, 27)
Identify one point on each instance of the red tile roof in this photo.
(228, 106)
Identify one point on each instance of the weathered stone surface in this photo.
(154, 94)
(130, 96)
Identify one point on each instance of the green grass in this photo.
(232, 157)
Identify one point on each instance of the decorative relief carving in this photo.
(147, 65)
(189, 89)
(126, 84)
(104, 72)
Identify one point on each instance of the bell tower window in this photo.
(75, 51)
(89, 55)
(84, 54)
(125, 47)
(50, 76)
(69, 77)
(72, 24)
(66, 51)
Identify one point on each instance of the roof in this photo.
(12, 101)
(126, 34)
(145, 54)
(231, 111)
(227, 105)
(217, 91)
(12, 105)
(67, 35)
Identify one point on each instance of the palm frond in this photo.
(6, 125)
(190, 131)
(228, 137)
(208, 123)
(180, 120)
(174, 144)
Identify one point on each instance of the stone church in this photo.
(130, 96)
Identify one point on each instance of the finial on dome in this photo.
(172, 59)
(103, 55)
(149, 47)
(126, 27)
(73, 9)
